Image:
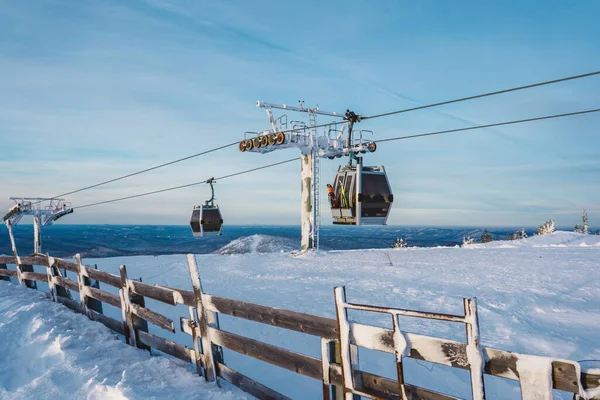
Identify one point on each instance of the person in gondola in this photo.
(331, 194)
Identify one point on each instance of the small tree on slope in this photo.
(523, 233)
(486, 237)
(584, 218)
(546, 228)
(399, 243)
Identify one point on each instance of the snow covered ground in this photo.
(49, 352)
(537, 296)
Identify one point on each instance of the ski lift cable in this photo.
(330, 124)
(187, 185)
(489, 125)
(378, 141)
(484, 95)
(169, 163)
(143, 171)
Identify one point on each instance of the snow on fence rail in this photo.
(337, 368)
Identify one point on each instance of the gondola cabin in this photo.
(206, 221)
(362, 196)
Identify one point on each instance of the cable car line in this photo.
(378, 141)
(171, 163)
(187, 185)
(146, 170)
(489, 125)
(336, 123)
(483, 95)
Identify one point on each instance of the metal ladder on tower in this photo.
(312, 122)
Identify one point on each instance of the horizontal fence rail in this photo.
(208, 339)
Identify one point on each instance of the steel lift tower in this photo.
(43, 214)
(335, 140)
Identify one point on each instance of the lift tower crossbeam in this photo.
(45, 211)
(337, 139)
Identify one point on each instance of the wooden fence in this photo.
(337, 369)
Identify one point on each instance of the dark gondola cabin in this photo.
(361, 191)
(206, 221)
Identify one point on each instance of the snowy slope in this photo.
(538, 296)
(557, 239)
(47, 351)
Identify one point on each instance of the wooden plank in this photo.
(104, 277)
(158, 293)
(34, 276)
(166, 346)
(8, 260)
(64, 264)
(34, 260)
(66, 283)
(385, 388)
(186, 295)
(247, 384)
(110, 323)
(103, 296)
(295, 362)
(292, 320)
(153, 317)
(7, 273)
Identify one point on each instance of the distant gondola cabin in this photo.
(206, 221)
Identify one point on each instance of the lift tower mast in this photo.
(337, 140)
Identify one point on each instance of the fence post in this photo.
(325, 363)
(4, 278)
(475, 357)
(139, 324)
(399, 345)
(61, 291)
(337, 391)
(82, 302)
(345, 352)
(126, 309)
(49, 264)
(207, 348)
(20, 268)
(87, 303)
(197, 352)
(131, 323)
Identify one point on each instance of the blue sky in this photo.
(94, 90)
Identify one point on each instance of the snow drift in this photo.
(48, 351)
